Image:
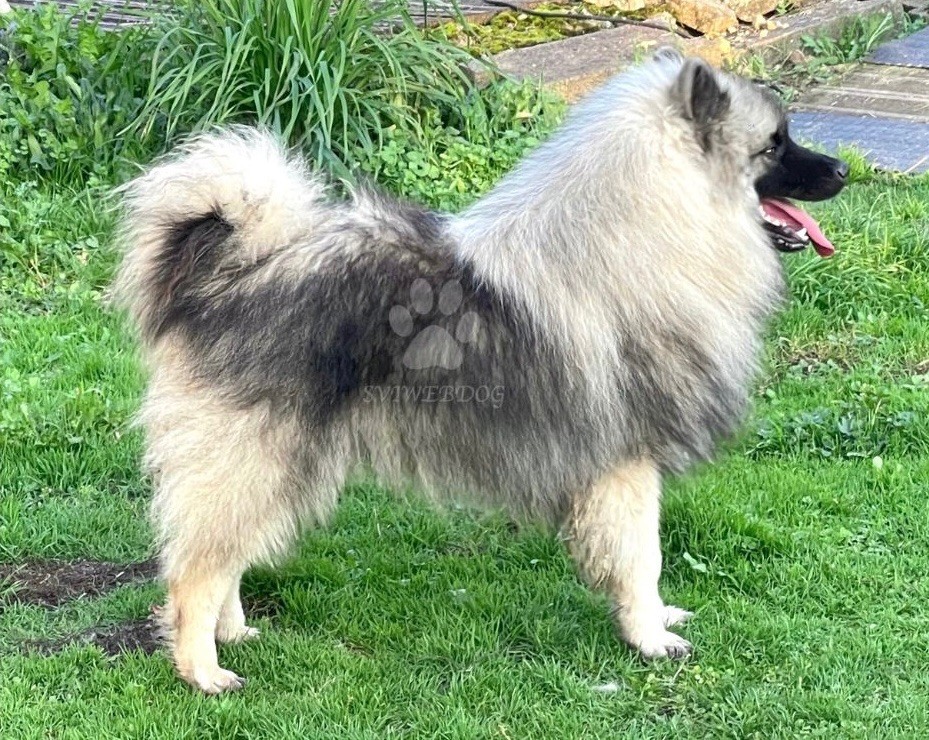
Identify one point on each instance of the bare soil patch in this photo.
(138, 635)
(50, 583)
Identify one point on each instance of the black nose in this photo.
(841, 170)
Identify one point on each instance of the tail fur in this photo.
(223, 201)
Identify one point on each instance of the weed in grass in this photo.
(825, 56)
(863, 427)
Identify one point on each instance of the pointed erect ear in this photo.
(699, 95)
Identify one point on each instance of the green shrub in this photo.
(85, 105)
(66, 90)
(453, 159)
(330, 76)
(856, 40)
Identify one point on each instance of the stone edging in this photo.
(574, 66)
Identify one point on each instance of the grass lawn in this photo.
(803, 552)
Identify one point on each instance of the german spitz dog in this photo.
(589, 326)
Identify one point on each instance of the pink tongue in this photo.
(797, 218)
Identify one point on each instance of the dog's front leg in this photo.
(612, 534)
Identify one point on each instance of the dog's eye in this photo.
(773, 145)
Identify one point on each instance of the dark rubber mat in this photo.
(889, 144)
(912, 51)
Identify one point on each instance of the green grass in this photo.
(803, 556)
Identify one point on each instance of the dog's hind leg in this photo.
(224, 500)
(612, 534)
(213, 531)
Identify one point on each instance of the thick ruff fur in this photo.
(592, 323)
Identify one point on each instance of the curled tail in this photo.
(216, 206)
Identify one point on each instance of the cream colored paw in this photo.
(213, 680)
(662, 644)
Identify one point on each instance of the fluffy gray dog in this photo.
(589, 325)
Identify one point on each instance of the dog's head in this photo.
(743, 124)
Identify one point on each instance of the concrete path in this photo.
(881, 107)
(573, 66)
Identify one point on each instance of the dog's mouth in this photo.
(793, 229)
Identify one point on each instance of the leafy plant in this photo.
(867, 426)
(855, 41)
(354, 86)
(330, 76)
(452, 161)
(67, 87)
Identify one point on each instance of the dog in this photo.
(589, 326)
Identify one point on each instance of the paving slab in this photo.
(891, 144)
(912, 51)
(877, 91)
(880, 107)
(574, 66)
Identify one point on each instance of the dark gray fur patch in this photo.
(191, 249)
(682, 411)
(320, 348)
